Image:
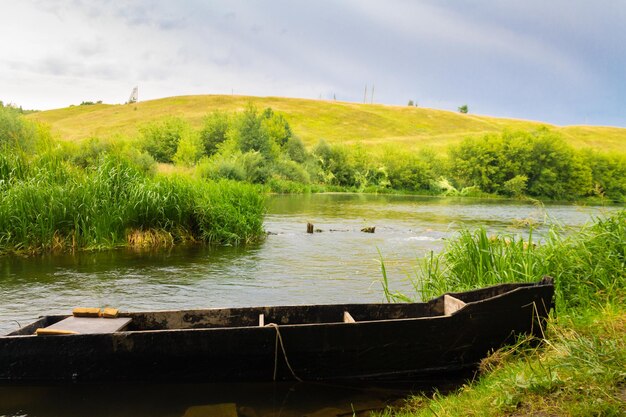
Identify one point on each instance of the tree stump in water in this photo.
(309, 227)
(371, 229)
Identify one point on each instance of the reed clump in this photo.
(588, 265)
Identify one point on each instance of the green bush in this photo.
(334, 165)
(249, 135)
(498, 164)
(214, 131)
(608, 174)
(406, 171)
(292, 171)
(276, 127)
(295, 150)
(221, 168)
(516, 186)
(15, 131)
(160, 139)
(256, 167)
(189, 151)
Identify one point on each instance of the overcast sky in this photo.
(560, 61)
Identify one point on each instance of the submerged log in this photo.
(371, 229)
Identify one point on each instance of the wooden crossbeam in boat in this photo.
(347, 318)
(261, 320)
(451, 304)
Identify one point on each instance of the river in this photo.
(337, 264)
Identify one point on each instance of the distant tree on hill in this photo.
(410, 103)
(463, 109)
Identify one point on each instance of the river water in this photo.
(337, 264)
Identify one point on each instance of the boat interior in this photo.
(446, 304)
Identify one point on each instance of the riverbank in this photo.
(578, 368)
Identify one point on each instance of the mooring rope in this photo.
(279, 338)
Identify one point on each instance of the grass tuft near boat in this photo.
(448, 334)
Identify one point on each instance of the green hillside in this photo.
(311, 120)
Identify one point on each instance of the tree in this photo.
(410, 103)
(161, 138)
(463, 109)
(214, 131)
(189, 150)
(249, 134)
(276, 127)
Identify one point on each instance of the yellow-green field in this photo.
(311, 120)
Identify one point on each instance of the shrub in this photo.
(516, 186)
(160, 139)
(16, 132)
(406, 171)
(221, 168)
(255, 166)
(498, 163)
(608, 174)
(334, 165)
(189, 150)
(295, 150)
(249, 135)
(213, 131)
(276, 127)
(291, 171)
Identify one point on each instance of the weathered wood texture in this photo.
(386, 341)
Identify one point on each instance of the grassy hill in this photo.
(311, 120)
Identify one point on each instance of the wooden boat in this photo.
(309, 342)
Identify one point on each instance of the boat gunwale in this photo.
(519, 287)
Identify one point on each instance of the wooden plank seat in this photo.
(85, 325)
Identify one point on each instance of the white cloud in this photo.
(512, 58)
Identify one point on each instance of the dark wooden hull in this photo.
(413, 340)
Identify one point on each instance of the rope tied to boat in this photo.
(279, 339)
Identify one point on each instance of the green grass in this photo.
(336, 122)
(580, 368)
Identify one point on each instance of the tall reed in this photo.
(51, 204)
(589, 266)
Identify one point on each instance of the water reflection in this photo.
(178, 400)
